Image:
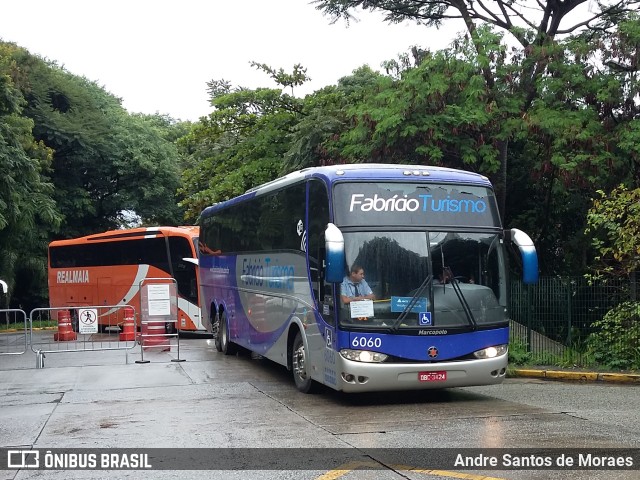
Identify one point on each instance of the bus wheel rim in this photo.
(299, 362)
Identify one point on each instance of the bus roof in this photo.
(131, 233)
(362, 171)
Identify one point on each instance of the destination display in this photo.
(395, 204)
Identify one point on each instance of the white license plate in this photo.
(432, 376)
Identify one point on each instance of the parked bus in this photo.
(107, 269)
(272, 262)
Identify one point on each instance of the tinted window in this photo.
(151, 251)
(268, 222)
(184, 272)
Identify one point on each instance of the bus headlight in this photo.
(363, 356)
(491, 352)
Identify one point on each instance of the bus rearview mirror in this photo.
(335, 262)
(528, 254)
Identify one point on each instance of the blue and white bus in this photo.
(273, 259)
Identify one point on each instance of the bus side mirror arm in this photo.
(335, 261)
(527, 252)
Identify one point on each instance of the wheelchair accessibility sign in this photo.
(425, 319)
(88, 320)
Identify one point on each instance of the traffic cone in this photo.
(128, 332)
(65, 330)
(153, 335)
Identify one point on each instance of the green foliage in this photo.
(146, 168)
(436, 113)
(518, 353)
(613, 222)
(105, 160)
(291, 80)
(543, 119)
(616, 341)
(26, 206)
(74, 161)
(550, 120)
(241, 144)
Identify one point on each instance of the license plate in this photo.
(432, 376)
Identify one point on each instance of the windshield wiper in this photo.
(411, 304)
(463, 301)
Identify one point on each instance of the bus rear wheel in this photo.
(215, 331)
(223, 344)
(300, 365)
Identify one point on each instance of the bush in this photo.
(616, 341)
(518, 354)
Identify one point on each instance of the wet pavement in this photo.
(104, 399)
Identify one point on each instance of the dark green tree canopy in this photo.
(27, 211)
(75, 160)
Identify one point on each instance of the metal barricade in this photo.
(13, 332)
(78, 329)
(158, 316)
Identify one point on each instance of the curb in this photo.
(577, 376)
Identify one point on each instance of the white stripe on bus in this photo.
(141, 274)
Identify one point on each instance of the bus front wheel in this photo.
(300, 366)
(223, 344)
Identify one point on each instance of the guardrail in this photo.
(13, 332)
(87, 328)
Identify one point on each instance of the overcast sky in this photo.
(157, 55)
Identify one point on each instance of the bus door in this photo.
(185, 274)
(317, 218)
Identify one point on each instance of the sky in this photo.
(158, 55)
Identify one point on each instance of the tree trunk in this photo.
(501, 187)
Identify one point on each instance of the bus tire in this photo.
(215, 331)
(226, 346)
(299, 364)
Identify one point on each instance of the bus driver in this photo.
(354, 287)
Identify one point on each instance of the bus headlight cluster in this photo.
(363, 355)
(491, 352)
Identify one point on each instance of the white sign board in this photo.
(88, 320)
(159, 300)
(361, 308)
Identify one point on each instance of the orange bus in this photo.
(107, 269)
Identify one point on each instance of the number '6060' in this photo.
(366, 342)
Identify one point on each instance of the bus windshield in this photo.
(427, 280)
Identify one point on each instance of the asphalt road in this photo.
(92, 400)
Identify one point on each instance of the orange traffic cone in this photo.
(65, 330)
(128, 332)
(153, 335)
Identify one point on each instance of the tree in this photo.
(145, 170)
(75, 160)
(614, 225)
(27, 211)
(325, 116)
(242, 143)
(103, 160)
(563, 99)
(535, 27)
(435, 113)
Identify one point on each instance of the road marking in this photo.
(351, 466)
(343, 470)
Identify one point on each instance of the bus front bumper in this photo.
(369, 377)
